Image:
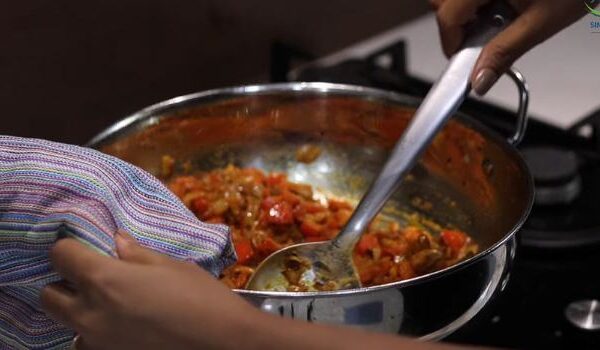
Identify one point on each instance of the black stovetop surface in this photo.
(558, 254)
(530, 312)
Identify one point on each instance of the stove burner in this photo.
(584, 314)
(555, 173)
(565, 215)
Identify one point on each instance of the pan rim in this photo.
(330, 89)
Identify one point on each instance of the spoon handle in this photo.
(444, 98)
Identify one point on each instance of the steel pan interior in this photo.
(469, 178)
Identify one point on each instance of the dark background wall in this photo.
(70, 68)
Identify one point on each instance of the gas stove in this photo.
(551, 300)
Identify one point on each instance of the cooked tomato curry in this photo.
(266, 212)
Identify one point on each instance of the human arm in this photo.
(148, 301)
(537, 21)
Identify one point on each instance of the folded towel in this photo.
(50, 190)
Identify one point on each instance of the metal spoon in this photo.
(328, 265)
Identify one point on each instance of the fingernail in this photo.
(485, 79)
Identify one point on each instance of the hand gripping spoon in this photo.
(328, 265)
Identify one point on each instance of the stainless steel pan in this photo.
(469, 178)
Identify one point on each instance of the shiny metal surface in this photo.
(327, 263)
(332, 260)
(522, 119)
(471, 177)
(584, 314)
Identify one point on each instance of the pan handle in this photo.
(522, 115)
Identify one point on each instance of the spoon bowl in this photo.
(314, 266)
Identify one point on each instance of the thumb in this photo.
(128, 249)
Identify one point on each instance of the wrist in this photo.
(259, 330)
(247, 328)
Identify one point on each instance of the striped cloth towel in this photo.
(50, 190)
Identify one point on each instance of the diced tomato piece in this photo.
(333, 224)
(268, 202)
(299, 212)
(290, 198)
(405, 270)
(313, 208)
(367, 243)
(244, 251)
(337, 205)
(275, 179)
(281, 214)
(214, 220)
(366, 270)
(412, 234)
(385, 265)
(267, 246)
(342, 216)
(199, 205)
(310, 228)
(215, 179)
(277, 211)
(456, 240)
(366, 275)
(395, 248)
